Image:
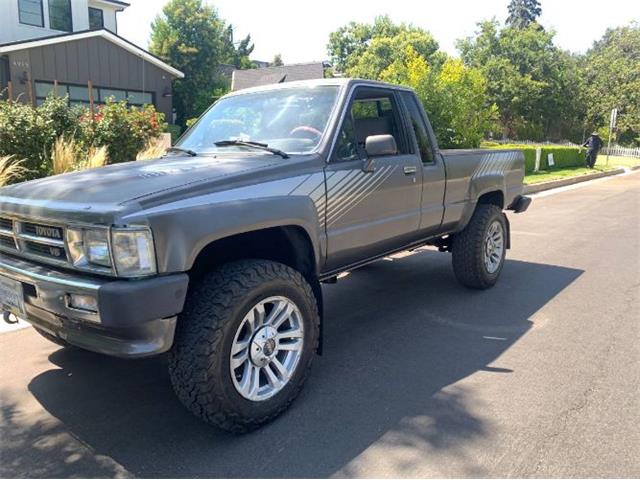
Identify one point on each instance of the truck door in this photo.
(370, 212)
(431, 163)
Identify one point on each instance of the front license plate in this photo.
(11, 296)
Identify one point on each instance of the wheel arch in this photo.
(290, 245)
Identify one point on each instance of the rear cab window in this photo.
(419, 128)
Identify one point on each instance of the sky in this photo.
(299, 29)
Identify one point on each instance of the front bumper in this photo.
(135, 318)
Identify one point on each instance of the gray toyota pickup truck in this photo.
(216, 252)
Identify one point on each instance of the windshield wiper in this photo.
(189, 152)
(249, 143)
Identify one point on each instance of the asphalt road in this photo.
(538, 377)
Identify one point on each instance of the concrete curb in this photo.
(541, 187)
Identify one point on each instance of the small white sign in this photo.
(550, 161)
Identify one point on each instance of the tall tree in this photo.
(238, 52)
(611, 73)
(381, 51)
(194, 39)
(348, 42)
(532, 82)
(523, 13)
(454, 95)
(277, 60)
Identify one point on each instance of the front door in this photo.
(369, 213)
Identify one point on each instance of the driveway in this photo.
(420, 377)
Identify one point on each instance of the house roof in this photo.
(103, 33)
(256, 77)
(116, 3)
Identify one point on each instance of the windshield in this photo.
(292, 120)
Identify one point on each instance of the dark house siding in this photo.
(95, 59)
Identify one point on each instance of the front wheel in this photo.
(479, 250)
(244, 343)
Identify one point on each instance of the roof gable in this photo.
(105, 34)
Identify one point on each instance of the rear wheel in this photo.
(479, 250)
(244, 343)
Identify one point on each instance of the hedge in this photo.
(28, 133)
(563, 157)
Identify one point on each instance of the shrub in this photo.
(68, 156)
(32, 132)
(11, 170)
(64, 155)
(151, 151)
(124, 130)
(175, 132)
(563, 156)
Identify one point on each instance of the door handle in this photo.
(410, 170)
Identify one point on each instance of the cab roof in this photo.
(339, 82)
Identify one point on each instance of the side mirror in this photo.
(380, 145)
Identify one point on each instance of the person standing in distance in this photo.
(594, 144)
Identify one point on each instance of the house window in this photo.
(96, 18)
(79, 94)
(60, 15)
(30, 12)
(4, 77)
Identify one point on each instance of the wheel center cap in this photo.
(264, 346)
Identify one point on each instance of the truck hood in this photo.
(113, 188)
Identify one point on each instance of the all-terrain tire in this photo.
(468, 248)
(199, 361)
(52, 338)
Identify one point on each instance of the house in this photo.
(72, 47)
(256, 77)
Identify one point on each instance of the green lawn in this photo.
(601, 166)
(560, 173)
(618, 161)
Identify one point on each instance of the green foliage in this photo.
(382, 52)
(350, 42)
(30, 132)
(175, 131)
(535, 85)
(454, 96)
(277, 60)
(612, 80)
(124, 130)
(193, 38)
(523, 13)
(563, 157)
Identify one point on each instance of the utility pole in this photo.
(612, 127)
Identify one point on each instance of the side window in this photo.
(346, 147)
(419, 129)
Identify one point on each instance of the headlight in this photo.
(96, 247)
(88, 246)
(133, 252)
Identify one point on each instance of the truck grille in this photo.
(34, 240)
(6, 224)
(7, 242)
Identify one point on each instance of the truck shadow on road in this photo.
(398, 335)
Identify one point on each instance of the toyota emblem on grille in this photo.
(49, 232)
